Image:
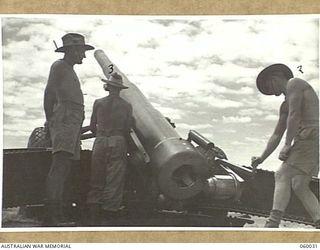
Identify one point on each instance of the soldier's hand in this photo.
(284, 153)
(255, 161)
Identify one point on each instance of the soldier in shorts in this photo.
(64, 111)
(299, 117)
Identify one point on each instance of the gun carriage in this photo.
(171, 181)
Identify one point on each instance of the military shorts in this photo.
(65, 128)
(304, 154)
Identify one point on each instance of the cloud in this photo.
(271, 117)
(247, 62)
(215, 88)
(227, 131)
(214, 120)
(236, 119)
(238, 143)
(255, 140)
(269, 103)
(14, 112)
(191, 105)
(194, 28)
(191, 65)
(172, 113)
(218, 102)
(150, 44)
(200, 72)
(251, 112)
(195, 127)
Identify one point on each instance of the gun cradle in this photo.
(166, 172)
(173, 158)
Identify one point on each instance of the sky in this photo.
(198, 70)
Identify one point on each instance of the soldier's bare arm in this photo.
(275, 138)
(94, 120)
(50, 90)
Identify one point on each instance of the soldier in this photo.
(299, 115)
(64, 111)
(111, 121)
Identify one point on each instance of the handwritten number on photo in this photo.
(111, 68)
(300, 68)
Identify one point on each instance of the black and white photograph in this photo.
(160, 122)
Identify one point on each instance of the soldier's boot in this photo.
(274, 219)
(94, 216)
(54, 217)
(52, 214)
(317, 224)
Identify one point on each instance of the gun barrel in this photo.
(181, 171)
(200, 140)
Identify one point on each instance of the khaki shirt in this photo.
(64, 82)
(68, 111)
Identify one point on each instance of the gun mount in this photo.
(181, 170)
(171, 181)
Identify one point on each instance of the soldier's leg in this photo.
(97, 181)
(115, 174)
(282, 193)
(97, 171)
(113, 191)
(300, 185)
(60, 168)
(282, 190)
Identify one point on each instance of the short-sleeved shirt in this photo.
(68, 113)
(64, 82)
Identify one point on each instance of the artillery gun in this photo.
(170, 181)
